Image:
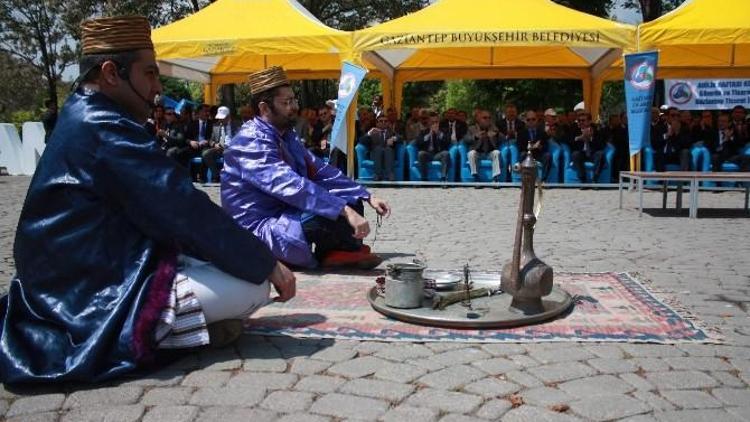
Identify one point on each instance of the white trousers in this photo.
(475, 156)
(223, 296)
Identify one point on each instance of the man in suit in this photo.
(727, 146)
(455, 129)
(172, 138)
(381, 142)
(509, 126)
(198, 136)
(673, 146)
(482, 141)
(433, 144)
(221, 135)
(617, 134)
(533, 139)
(740, 125)
(587, 146)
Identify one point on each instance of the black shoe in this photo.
(476, 178)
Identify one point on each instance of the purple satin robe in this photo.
(269, 180)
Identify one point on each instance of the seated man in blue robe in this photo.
(116, 251)
(306, 211)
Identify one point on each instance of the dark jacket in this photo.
(461, 129)
(596, 143)
(525, 135)
(502, 125)
(440, 142)
(105, 213)
(376, 138)
(670, 144)
(731, 147)
(193, 128)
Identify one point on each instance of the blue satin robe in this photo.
(102, 206)
(269, 180)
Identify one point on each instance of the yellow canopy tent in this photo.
(228, 39)
(495, 39)
(699, 39)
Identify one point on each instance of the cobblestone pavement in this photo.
(704, 262)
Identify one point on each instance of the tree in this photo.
(652, 9)
(22, 87)
(349, 15)
(599, 8)
(37, 33)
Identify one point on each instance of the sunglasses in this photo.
(531, 120)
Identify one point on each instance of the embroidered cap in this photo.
(115, 34)
(266, 79)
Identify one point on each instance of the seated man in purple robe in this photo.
(307, 212)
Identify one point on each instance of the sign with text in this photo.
(640, 80)
(707, 94)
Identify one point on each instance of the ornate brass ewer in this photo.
(526, 277)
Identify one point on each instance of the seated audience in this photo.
(482, 141)
(414, 124)
(509, 125)
(221, 135)
(673, 146)
(617, 134)
(198, 135)
(434, 144)
(587, 146)
(534, 139)
(455, 129)
(156, 121)
(173, 139)
(381, 142)
(321, 133)
(727, 146)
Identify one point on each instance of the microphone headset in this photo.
(124, 74)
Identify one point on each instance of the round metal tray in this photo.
(486, 312)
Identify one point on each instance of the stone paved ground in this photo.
(705, 262)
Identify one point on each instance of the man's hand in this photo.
(359, 224)
(380, 206)
(194, 144)
(390, 141)
(284, 282)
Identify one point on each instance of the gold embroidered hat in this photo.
(266, 79)
(115, 34)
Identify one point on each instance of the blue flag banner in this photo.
(640, 80)
(351, 77)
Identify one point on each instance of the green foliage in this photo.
(599, 8)
(368, 90)
(349, 15)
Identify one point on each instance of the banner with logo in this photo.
(640, 80)
(351, 77)
(707, 94)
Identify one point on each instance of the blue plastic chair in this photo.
(365, 166)
(728, 167)
(571, 176)
(197, 161)
(433, 168)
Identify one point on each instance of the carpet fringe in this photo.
(669, 299)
